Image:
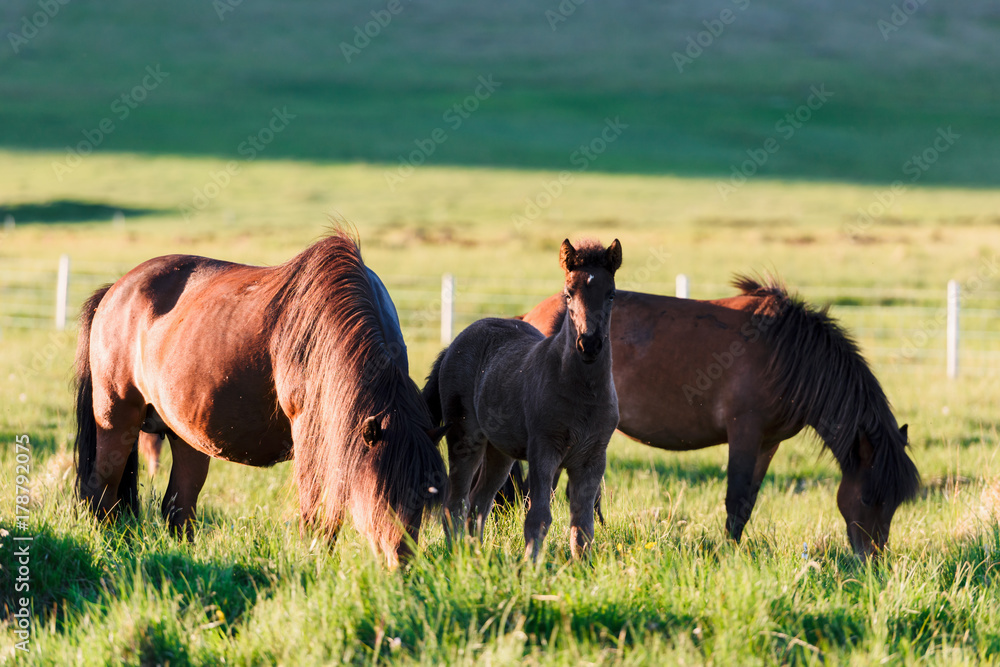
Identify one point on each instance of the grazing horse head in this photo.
(866, 506)
(589, 292)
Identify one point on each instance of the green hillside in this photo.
(689, 109)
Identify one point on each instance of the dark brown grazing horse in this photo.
(258, 365)
(753, 370)
(507, 392)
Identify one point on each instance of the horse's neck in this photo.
(563, 344)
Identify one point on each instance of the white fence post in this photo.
(447, 307)
(682, 289)
(952, 337)
(62, 292)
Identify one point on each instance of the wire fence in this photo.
(899, 329)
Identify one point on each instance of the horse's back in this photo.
(190, 336)
(482, 369)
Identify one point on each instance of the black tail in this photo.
(432, 391)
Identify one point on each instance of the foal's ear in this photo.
(904, 431)
(435, 434)
(613, 257)
(371, 431)
(567, 256)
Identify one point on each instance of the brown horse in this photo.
(507, 392)
(258, 365)
(753, 370)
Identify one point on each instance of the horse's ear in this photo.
(371, 431)
(613, 257)
(435, 434)
(904, 431)
(567, 256)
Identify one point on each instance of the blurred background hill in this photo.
(562, 69)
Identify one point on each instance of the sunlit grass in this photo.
(663, 583)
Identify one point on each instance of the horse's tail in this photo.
(86, 424)
(432, 390)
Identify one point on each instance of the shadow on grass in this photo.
(699, 472)
(66, 574)
(70, 210)
(62, 572)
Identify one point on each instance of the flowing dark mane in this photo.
(824, 382)
(330, 354)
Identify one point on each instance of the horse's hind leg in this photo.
(584, 489)
(187, 477)
(113, 482)
(494, 473)
(465, 455)
(749, 460)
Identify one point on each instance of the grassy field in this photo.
(222, 73)
(664, 584)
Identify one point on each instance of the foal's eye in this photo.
(567, 296)
(611, 296)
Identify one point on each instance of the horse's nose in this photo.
(589, 346)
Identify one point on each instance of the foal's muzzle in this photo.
(589, 347)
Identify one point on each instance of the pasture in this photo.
(664, 584)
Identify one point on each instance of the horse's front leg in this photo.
(583, 491)
(543, 463)
(748, 463)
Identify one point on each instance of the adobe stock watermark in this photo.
(915, 168)
(223, 7)
(697, 43)
(121, 107)
(634, 279)
(249, 148)
(786, 127)
(21, 559)
(32, 25)
(454, 117)
(899, 17)
(988, 269)
(363, 35)
(562, 12)
(581, 158)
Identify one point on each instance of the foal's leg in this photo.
(495, 470)
(466, 447)
(584, 490)
(187, 476)
(543, 463)
(749, 459)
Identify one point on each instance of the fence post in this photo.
(682, 289)
(952, 337)
(62, 292)
(447, 307)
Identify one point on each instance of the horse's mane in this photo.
(590, 252)
(820, 378)
(330, 355)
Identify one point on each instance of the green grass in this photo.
(664, 584)
(890, 96)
